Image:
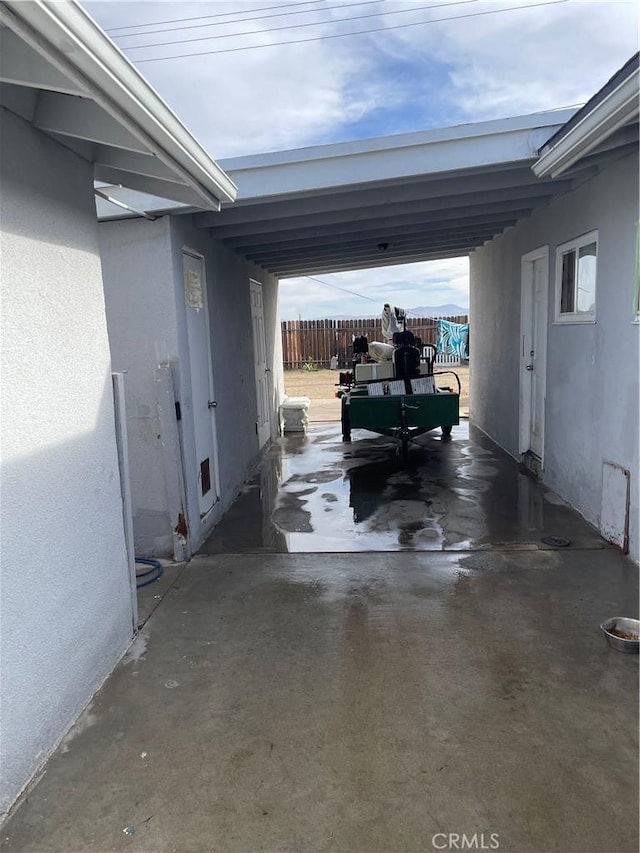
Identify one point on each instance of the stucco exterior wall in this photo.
(142, 264)
(592, 369)
(142, 324)
(65, 604)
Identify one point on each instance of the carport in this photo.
(410, 197)
(367, 657)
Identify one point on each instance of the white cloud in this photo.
(253, 100)
(431, 283)
(526, 60)
(496, 65)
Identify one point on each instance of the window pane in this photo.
(587, 279)
(567, 295)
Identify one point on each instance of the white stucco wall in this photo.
(592, 369)
(65, 598)
(142, 266)
(141, 319)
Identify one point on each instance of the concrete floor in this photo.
(366, 702)
(314, 493)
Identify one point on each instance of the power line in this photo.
(217, 15)
(299, 26)
(343, 289)
(344, 35)
(256, 18)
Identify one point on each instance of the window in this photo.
(576, 264)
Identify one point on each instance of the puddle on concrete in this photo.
(318, 494)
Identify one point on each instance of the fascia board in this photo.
(547, 122)
(454, 157)
(75, 44)
(619, 108)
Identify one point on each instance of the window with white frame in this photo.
(576, 265)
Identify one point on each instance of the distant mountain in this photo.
(420, 311)
(437, 311)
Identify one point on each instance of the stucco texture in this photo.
(142, 325)
(66, 609)
(142, 267)
(228, 276)
(591, 412)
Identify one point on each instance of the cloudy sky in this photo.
(255, 92)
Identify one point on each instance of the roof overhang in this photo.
(615, 106)
(68, 78)
(412, 197)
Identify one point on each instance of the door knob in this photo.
(529, 367)
(212, 404)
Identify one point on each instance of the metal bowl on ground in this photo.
(621, 624)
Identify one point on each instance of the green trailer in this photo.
(402, 416)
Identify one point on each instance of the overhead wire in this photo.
(345, 35)
(343, 289)
(355, 293)
(256, 18)
(299, 26)
(221, 15)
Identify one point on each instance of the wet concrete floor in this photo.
(315, 493)
(376, 702)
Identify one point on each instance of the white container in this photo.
(374, 372)
(294, 414)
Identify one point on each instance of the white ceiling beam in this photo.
(523, 196)
(368, 264)
(370, 243)
(23, 66)
(373, 256)
(377, 229)
(83, 119)
(152, 186)
(344, 199)
(130, 161)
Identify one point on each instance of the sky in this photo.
(506, 58)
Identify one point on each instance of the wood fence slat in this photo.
(320, 340)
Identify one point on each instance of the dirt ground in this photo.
(321, 386)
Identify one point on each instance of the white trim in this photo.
(268, 378)
(526, 291)
(576, 317)
(186, 250)
(504, 143)
(619, 108)
(75, 45)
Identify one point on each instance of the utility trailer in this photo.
(395, 404)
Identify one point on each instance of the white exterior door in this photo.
(261, 367)
(202, 397)
(533, 351)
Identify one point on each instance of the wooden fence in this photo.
(318, 340)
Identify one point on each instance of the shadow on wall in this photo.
(66, 604)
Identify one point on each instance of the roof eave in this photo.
(619, 108)
(75, 44)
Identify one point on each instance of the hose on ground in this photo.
(153, 574)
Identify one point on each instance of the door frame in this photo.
(253, 281)
(526, 323)
(187, 250)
